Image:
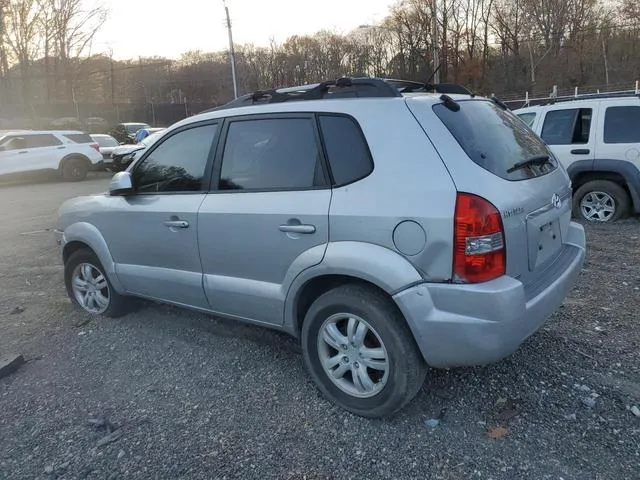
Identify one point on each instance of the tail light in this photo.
(479, 250)
(96, 147)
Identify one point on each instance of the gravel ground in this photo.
(189, 396)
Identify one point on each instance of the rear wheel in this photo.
(74, 169)
(600, 201)
(360, 352)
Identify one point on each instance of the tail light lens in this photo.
(96, 147)
(479, 250)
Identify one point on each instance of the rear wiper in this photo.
(535, 160)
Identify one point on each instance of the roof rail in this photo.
(344, 87)
(588, 96)
(550, 100)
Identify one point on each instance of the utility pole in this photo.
(436, 41)
(232, 55)
(606, 63)
(113, 81)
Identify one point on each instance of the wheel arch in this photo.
(347, 262)
(74, 156)
(622, 172)
(84, 235)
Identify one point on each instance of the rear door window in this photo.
(567, 127)
(41, 140)
(496, 139)
(622, 125)
(271, 154)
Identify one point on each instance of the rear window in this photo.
(496, 139)
(79, 137)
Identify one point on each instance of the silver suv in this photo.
(385, 226)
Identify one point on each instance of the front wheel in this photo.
(89, 287)
(600, 201)
(360, 352)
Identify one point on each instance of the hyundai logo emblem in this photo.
(555, 200)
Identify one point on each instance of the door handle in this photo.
(24, 151)
(61, 148)
(580, 151)
(297, 228)
(176, 224)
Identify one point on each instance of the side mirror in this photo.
(121, 184)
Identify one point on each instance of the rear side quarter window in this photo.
(622, 124)
(346, 149)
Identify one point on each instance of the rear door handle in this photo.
(297, 228)
(176, 224)
(24, 151)
(581, 151)
(61, 148)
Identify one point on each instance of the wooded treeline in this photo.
(502, 46)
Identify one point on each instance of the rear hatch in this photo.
(491, 153)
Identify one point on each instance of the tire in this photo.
(389, 390)
(610, 202)
(115, 306)
(74, 169)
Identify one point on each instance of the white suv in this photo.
(597, 139)
(69, 153)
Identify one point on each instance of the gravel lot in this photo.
(191, 396)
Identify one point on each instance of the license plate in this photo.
(545, 239)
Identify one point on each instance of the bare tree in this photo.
(22, 35)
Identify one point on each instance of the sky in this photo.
(151, 28)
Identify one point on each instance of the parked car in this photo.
(69, 153)
(106, 145)
(442, 238)
(144, 133)
(126, 132)
(96, 125)
(123, 155)
(597, 139)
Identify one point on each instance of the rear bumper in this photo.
(464, 325)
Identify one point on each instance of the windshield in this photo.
(147, 141)
(496, 139)
(134, 127)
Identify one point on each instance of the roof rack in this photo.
(587, 96)
(344, 87)
(407, 86)
(554, 98)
